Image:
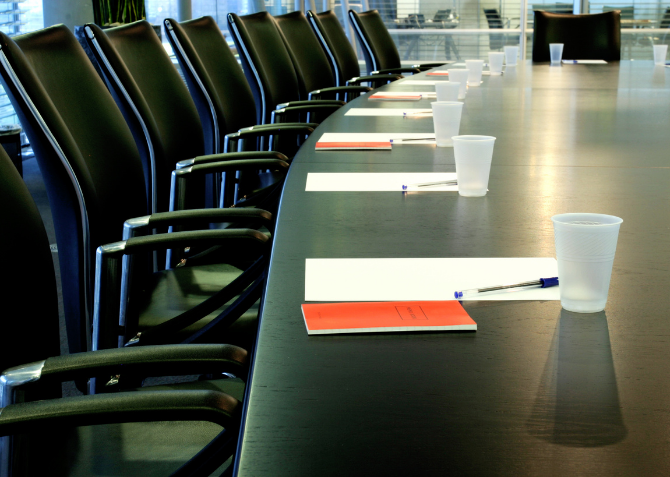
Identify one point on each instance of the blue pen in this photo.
(541, 283)
(574, 62)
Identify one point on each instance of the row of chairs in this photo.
(123, 158)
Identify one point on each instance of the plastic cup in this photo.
(659, 54)
(447, 121)
(460, 76)
(556, 53)
(496, 59)
(511, 54)
(475, 68)
(473, 156)
(585, 246)
(447, 90)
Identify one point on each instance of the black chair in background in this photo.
(222, 94)
(627, 13)
(379, 50)
(160, 112)
(42, 437)
(566, 8)
(585, 37)
(496, 22)
(315, 76)
(665, 23)
(341, 55)
(270, 72)
(95, 182)
(447, 19)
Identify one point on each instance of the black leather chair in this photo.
(46, 441)
(341, 55)
(379, 50)
(160, 112)
(315, 75)
(585, 37)
(270, 72)
(222, 94)
(495, 21)
(95, 182)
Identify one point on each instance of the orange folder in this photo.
(333, 318)
(437, 73)
(393, 97)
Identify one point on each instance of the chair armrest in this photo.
(279, 114)
(237, 140)
(413, 70)
(182, 178)
(422, 66)
(165, 360)
(148, 406)
(375, 80)
(136, 226)
(308, 103)
(232, 156)
(350, 92)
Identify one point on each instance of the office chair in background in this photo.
(270, 72)
(596, 36)
(315, 75)
(379, 50)
(340, 53)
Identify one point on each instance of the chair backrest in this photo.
(493, 18)
(309, 59)
(376, 42)
(443, 15)
(266, 62)
(214, 77)
(333, 39)
(584, 36)
(665, 21)
(627, 13)
(86, 153)
(153, 98)
(30, 315)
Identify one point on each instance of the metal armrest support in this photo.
(279, 114)
(413, 70)
(427, 66)
(147, 406)
(315, 102)
(349, 92)
(374, 80)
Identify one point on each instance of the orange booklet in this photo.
(395, 97)
(333, 318)
(353, 146)
(437, 73)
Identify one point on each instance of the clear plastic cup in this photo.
(475, 68)
(511, 54)
(473, 156)
(496, 59)
(447, 121)
(447, 90)
(660, 51)
(556, 53)
(585, 247)
(460, 76)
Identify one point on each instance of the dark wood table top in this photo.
(536, 390)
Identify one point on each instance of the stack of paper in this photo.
(395, 138)
(437, 73)
(405, 112)
(353, 145)
(395, 97)
(381, 182)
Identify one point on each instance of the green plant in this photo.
(118, 11)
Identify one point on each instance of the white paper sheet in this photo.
(424, 94)
(411, 112)
(378, 181)
(423, 82)
(378, 137)
(398, 279)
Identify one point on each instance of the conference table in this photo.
(536, 390)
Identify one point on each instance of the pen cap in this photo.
(549, 282)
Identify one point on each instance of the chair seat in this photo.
(172, 292)
(128, 449)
